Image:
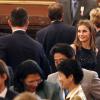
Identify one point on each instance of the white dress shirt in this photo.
(78, 91)
(3, 93)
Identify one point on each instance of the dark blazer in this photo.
(10, 95)
(18, 46)
(50, 91)
(56, 32)
(88, 5)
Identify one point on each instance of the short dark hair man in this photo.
(18, 46)
(70, 75)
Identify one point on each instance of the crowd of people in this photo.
(61, 63)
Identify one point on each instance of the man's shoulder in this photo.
(88, 72)
(89, 76)
(53, 75)
(53, 78)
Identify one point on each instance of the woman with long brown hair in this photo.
(84, 45)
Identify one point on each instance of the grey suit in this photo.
(90, 84)
(50, 91)
(88, 5)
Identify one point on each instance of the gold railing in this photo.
(42, 2)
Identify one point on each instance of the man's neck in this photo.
(18, 28)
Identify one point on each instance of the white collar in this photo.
(18, 30)
(3, 93)
(73, 92)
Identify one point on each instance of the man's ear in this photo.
(9, 23)
(4, 76)
(27, 22)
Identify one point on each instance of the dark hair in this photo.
(24, 69)
(18, 17)
(70, 66)
(63, 48)
(55, 11)
(4, 70)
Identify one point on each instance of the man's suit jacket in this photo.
(18, 46)
(90, 84)
(50, 91)
(56, 32)
(10, 95)
(88, 5)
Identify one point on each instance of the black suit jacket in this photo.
(10, 95)
(56, 32)
(18, 46)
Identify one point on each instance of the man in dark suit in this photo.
(57, 31)
(5, 93)
(81, 11)
(18, 46)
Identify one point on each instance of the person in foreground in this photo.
(70, 79)
(91, 81)
(27, 96)
(5, 92)
(29, 77)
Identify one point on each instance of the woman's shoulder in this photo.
(74, 47)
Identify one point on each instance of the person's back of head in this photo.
(27, 96)
(18, 17)
(55, 11)
(71, 67)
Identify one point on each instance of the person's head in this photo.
(18, 18)
(95, 17)
(62, 51)
(4, 75)
(28, 76)
(55, 11)
(70, 73)
(85, 34)
(27, 96)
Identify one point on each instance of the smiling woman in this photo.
(84, 45)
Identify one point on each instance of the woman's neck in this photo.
(86, 45)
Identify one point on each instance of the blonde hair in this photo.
(92, 30)
(95, 16)
(27, 96)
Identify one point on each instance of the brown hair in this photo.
(4, 70)
(92, 29)
(27, 96)
(55, 11)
